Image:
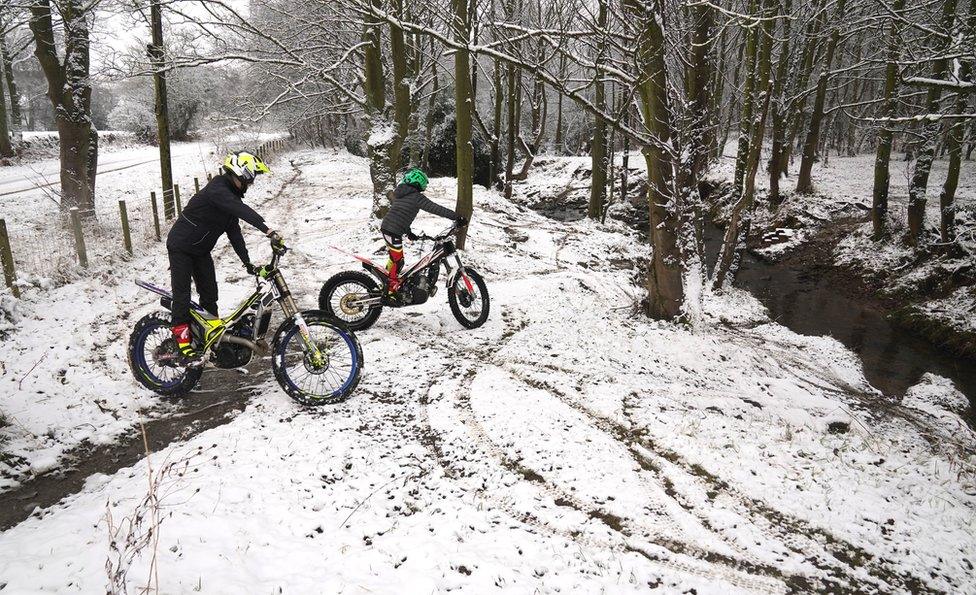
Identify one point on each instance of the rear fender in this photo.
(166, 298)
(376, 271)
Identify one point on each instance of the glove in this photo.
(461, 221)
(277, 242)
(412, 236)
(251, 269)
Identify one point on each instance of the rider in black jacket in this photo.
(216, 210)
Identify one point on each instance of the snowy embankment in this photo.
(568, 445)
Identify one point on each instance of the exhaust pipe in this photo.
(259, 347)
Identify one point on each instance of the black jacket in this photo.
(215, 210)
(407, 202)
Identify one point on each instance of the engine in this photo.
(231, 355)
(425, 287)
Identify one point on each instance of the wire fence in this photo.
(75, 239)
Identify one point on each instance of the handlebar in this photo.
(441, 236)
(276, 253)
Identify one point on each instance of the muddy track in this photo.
(845, 558)
(742, 570)
(211, 405)
(843, 563)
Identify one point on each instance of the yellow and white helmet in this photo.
(245, 166)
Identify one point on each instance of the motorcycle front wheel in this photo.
(469, 305)
(329, 380)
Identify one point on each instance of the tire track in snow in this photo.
(840, 560)
(621, 538)
(845, 558)
(629, 534)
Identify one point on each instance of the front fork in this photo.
(452, 277)
(290, 309)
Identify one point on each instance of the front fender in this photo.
(307, 315)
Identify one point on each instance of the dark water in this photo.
(807, 300)
(894, 358)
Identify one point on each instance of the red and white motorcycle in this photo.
(356, 299)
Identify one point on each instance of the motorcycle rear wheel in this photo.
(343, 287)
(150, 344)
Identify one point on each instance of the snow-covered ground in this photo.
(568, 445)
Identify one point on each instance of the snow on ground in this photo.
(566, 446)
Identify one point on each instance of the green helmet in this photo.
(416, 177)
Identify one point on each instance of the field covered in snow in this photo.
(569, 445)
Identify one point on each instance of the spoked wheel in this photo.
(152, 358)
(332, 376)
(340, 295)
(469, 301)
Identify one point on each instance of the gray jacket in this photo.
(407, 202)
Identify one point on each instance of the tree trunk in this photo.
(598, 144)
(739, 66)
(463, 104)
(930, 137)
(494, 178)
(882, 160)
(161, 103)
(795, 116)
(778, 112)
(6, 150)
(748, 104)
(559, 109)
(698, 75)
(16, 121)
(804, 182)
(514, 113)
(666, 274)
(381, 133)
(740, 221)
(947, 208)
(401, 89)
(69, 89)
(625, 162)
(718, 83)
(429, 122)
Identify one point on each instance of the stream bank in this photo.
(806, 291)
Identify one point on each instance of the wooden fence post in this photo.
(79, 238)
(196, 185)
(152, 198)
(179, 205)
(126, 236)
(7, 258)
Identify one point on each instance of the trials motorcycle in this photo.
(315, 360)
(357, 299)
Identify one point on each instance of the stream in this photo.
(806, 299)
(807, 296)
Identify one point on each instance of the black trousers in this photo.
(183, 267)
